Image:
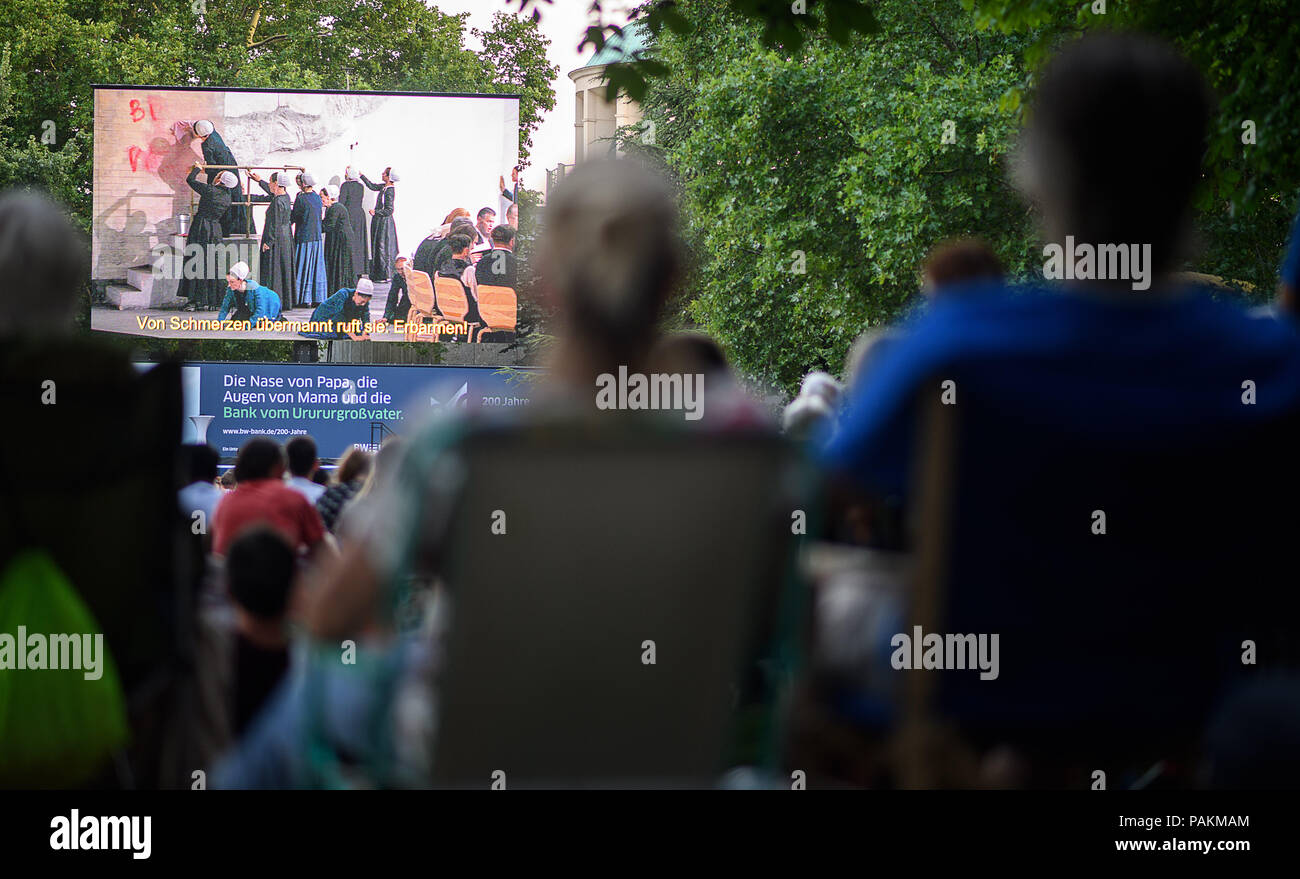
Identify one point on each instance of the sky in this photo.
(563, 22)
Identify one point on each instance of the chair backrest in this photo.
(1117, 634)
(420, 288)
(614, 546)
(103, 501)
(453, 301)
(498, 306)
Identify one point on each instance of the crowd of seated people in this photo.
(1065, 466)
(474, 252)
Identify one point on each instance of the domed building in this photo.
(597, 120)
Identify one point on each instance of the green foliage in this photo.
(785, 25)
(836, 152)
(1245, 48)
(515, 52)
(830, 159)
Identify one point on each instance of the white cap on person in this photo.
(307, 179)
(351, 173)
(240, 270)
(228, 179)
(203, 128)
(393, 176)
(365, 287)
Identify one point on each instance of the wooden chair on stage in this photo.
(424, 304)
(453, 302)
(499, 308)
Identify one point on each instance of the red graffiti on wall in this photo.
(137, 112)
(152, 160)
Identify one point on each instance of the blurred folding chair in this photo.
(1115, 646)
(424, 304)
(499, 308)
(616, 543)
(90, 464)
(453, 302)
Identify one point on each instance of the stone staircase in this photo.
(144, 289)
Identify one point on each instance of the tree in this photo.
(514, 51)
(814, 181)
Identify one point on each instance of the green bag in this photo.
(57, 726)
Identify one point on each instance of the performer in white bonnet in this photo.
(383, 229)
(238, 219)
(352, 196)
(310, 277)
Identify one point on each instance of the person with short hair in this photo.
(260, 572)
(440, 250)
(483, 224)
(963, 261)
(1051, 391)
(459, 266)
(261, 497)
(303, 465)
(498, 266)
(252, 301)
(39, 245)
(458, 257)
(201, 494)
(399, 293)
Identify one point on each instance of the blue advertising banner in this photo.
(340, 406)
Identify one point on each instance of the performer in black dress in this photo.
(276, 270)
(204, 292)
(383, 230)
(352, 196)
(239, 218)
(338, 243)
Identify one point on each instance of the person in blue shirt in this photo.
(1101, 513)
(347, 312)
(252, 301)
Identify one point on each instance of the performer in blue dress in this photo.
(308, 252)
(252, 301)
(345, 314)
